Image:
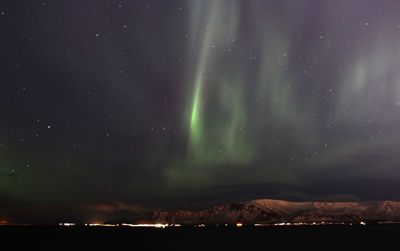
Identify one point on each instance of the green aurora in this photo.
(161, 102)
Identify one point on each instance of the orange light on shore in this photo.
(239, 224)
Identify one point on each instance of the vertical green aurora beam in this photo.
(216, 113)
(207, 33)
(195, 127)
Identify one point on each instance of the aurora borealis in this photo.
(195, 102)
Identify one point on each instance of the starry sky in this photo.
(170, 103)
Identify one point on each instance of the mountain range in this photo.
(267, 211)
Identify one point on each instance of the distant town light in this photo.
(66, 224)
(158, 225)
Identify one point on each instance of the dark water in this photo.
(370, 237)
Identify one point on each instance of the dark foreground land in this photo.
(370, 237)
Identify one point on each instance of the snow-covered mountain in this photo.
(277, 211)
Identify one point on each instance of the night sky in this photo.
(190, 103)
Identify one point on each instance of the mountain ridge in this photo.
(269, 211)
